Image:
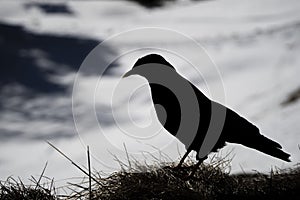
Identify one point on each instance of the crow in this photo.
(236, 129)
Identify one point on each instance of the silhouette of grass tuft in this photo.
(210, 181)
(13, 189)
(165, 181)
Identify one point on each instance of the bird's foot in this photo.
(192, 173)
(178, 166)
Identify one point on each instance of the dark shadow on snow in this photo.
(50, 8)
(151, 4)
(30, 59)
(292, 97)
(32, 67)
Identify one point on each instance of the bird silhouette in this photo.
(236, 129)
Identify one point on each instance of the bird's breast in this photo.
(167, 107)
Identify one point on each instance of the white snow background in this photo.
(255, 45)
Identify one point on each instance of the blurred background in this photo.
(255, 44)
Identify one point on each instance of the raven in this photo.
(236, 129)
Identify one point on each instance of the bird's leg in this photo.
(196, 167)
(183, 158)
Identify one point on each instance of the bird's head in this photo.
(147, 65)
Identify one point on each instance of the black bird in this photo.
(236, 129)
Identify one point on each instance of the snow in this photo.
(254, 44)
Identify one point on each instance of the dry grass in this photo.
(209, 182)
(165, 181)
(13, 189)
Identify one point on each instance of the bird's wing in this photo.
(208, 111)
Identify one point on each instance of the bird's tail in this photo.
(271, 148)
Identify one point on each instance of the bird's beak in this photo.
(127, 74)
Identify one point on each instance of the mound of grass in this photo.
(12, 189)
(165, 181)
(210, 181)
